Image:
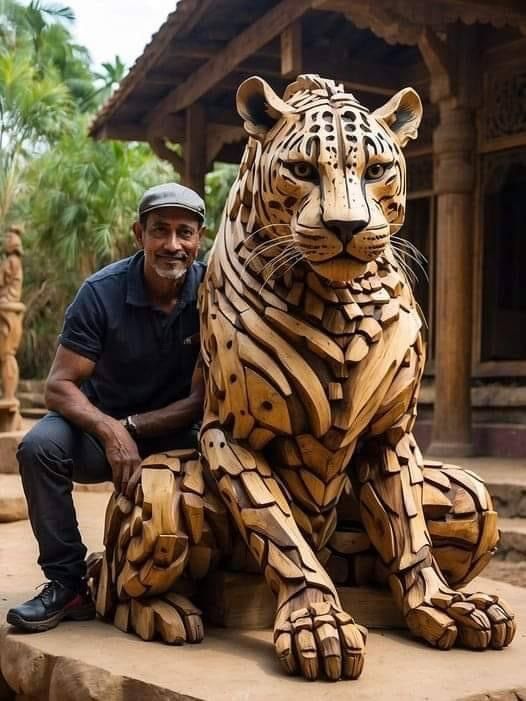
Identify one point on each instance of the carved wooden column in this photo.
(454, 142)
(195, 158)
(454, 149)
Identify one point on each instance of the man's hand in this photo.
(121, 452)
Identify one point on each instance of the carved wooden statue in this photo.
(11, 319)
(313, 350)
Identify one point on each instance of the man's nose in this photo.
(173, 242)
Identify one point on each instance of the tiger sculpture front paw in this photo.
(314, 636)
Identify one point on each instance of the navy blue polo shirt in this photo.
(144, 358)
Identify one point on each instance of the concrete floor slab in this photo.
(240, 665)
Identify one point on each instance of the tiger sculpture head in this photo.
(328, 176)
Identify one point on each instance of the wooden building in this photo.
(467, 171)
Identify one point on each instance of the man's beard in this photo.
(174, 272)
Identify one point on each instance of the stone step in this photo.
(509, 500)
(33, 412)
(12, 501)
(31, 386)
(512, 544)
(31, 400)
(495, 439)
(8, 444)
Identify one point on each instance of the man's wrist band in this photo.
(130, 426)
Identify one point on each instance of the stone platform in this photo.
(13, 505)
(9, 441)
(93, 660)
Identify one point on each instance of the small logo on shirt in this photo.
(192, 340)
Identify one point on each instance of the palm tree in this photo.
(92, 189)
(33, 113)
(42, 29)
(111, 75)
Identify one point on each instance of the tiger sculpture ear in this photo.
(402, 114)
(259, 106)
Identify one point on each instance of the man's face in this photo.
(170, 239)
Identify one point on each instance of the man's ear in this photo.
(259, 106)
(402, 114)
(138, 233)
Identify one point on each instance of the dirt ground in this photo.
(504, 571)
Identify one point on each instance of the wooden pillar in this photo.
(455, 88)
(454, 143)
(195, 148)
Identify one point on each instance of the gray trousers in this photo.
(52, 456)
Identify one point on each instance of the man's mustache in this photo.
(175, 256)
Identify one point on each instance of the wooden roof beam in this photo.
(122, 132)
(237, 50)
(207, 49)
(162, 151)
(514, 10)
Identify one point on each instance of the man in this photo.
(124, 384)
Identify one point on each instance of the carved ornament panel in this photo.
(505, 105)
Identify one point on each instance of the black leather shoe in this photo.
(53, 604)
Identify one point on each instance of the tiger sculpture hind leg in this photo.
(390, 490)
(459, 516)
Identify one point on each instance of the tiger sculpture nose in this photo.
(345, 230)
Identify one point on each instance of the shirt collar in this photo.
(136, 290)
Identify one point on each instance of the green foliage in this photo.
(217, 186)
(91, 190)
(76, 197)
(82, 198)
(40, 30)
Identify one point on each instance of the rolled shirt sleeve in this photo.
(84, 324)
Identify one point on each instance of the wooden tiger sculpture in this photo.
(313, 355)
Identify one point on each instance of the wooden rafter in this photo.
(122, 131)
(161, 150)
(434, 53)
(240, 48)
(512, 9)
(188, 14)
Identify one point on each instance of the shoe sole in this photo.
(82, 614)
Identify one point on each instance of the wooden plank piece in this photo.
(142, 618)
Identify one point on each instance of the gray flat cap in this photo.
(172, 195)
